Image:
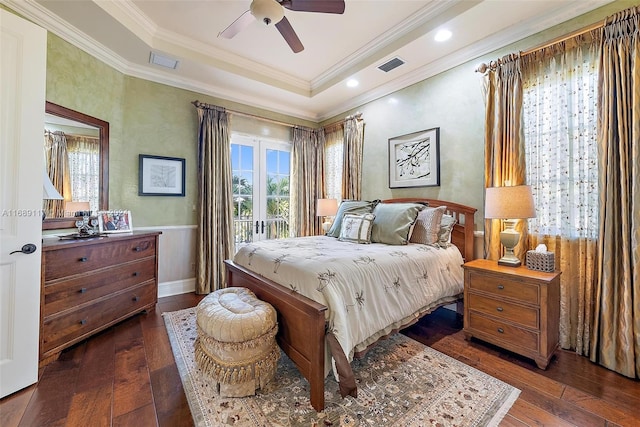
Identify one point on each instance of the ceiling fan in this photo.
(271, 12)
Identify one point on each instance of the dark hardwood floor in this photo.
(126, 376)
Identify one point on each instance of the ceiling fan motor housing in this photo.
(267, 11)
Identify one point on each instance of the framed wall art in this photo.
(414, 159)
(115, 222)
(161, 176)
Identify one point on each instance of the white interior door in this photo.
(23, 50)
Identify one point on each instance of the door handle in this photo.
(27, 249)
(257, 227)
(262, 227)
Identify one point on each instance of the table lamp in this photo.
(326, 208)
(509, 204)
(49, 192)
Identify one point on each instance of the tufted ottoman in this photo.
(236, 341)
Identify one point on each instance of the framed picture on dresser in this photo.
(414, 159)
(115, 222)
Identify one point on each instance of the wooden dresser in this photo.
(89, 285)
(513, 307)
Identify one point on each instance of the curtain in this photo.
(84, 168)
(504, 142)
(616, 332)
(560, 127)
(352, 158)
(57, 164)
(307, 175)
(333, 159)
(215, 203)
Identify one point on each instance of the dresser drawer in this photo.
(72, 326)
(66, 294)
(505, 332)
(502, 287)
(526, 316)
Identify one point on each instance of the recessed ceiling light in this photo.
(352, 83)
(442, 35)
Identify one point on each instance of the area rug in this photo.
(400, 383)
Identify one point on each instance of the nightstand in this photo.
(513, 307)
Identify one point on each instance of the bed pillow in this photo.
(427, 227)
(356, 228)
(393, 222)
(446, 227)
(357, 207)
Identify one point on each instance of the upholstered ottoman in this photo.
(236, 343)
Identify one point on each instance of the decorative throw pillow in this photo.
(427, 226)
(357, 207)
(393, 222)
(446, 227)
(356, 228)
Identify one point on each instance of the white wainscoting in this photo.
(176, 259)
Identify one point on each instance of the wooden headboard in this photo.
(462, 234)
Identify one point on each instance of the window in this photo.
(261, 170)
(333, 163)
(560, 129)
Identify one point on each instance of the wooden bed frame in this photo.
(301, 321)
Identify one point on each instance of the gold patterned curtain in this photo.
(57, 165)
(307, 175)
(616, 332)
(215, 202)
(560, 88)
(352, 157)
(504, 162)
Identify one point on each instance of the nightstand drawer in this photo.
(525, 316)
(503, 331)
(502, 287)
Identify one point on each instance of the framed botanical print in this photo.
(414, 159)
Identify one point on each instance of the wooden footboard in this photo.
(301, 325)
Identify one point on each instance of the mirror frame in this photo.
(103, 184)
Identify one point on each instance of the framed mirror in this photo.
(61, 117)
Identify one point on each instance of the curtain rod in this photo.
(565, 37)
(252, 116)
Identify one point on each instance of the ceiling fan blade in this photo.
(289, 35)
(238, 25)
(322, 6)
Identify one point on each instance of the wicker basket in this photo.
(541, 261)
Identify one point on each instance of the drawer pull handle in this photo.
(137, 249)
(501, 330)
(136, 298)
(83, 322)
(82, 290)
(500, 309)
(83, 259)
(135, 274)
(500, 286)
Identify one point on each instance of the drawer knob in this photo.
(500, 286)
(135, 274)
(82, 290)
(137, 249)
(500, 309)
(83, 322)
(501, 330)
(136, 298)
(83, 259)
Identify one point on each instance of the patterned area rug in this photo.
(400, 382)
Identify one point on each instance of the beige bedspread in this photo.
(369, 289)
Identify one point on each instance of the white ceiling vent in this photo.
(163, 61)
(391, 64)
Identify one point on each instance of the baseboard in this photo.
(177, 287)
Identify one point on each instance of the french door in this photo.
(261, 169)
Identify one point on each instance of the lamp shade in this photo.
(509, 202)
(49, 192)
(327, 207)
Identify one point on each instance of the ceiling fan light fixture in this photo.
(267, 11)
